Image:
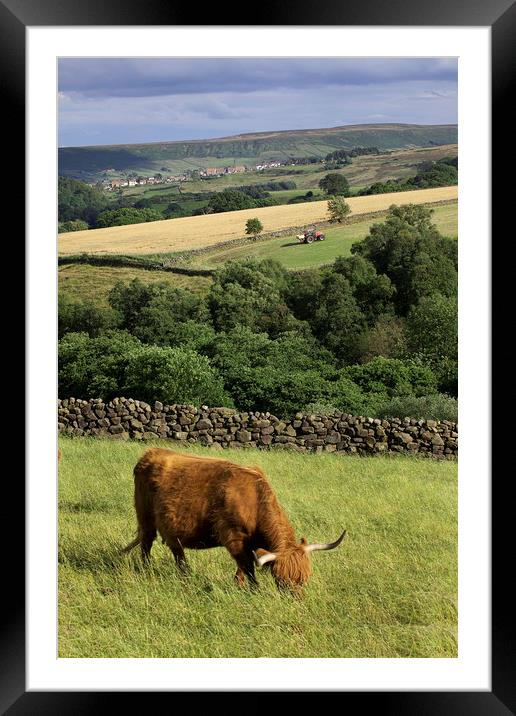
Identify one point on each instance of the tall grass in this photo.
(389, 590)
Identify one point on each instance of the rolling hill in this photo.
(95, 162)
(194, 232)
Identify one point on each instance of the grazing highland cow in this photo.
(199, 502)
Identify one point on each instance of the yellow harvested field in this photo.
(194, 232)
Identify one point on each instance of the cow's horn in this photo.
(264, 558)
(332, 545)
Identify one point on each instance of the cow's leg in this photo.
(179, 554)
(236, 546)
(147, 538)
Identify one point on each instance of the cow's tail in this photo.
(131, 545)
(143, 504)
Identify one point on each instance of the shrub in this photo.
(338, 209)
(392, 377)
(173, 375)
(348, 397)
(429, 407)
(83, 316)
(77, 225)
(94, 367)
(253, 227)
(279, 391)
(386, 338)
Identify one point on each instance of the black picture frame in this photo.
(500, 16)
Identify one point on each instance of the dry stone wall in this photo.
(128, 419)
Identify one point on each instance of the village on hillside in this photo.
(158, 178)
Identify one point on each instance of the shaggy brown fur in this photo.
(197, 503)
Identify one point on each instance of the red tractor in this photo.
(310, 235)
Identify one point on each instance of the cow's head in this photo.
(292, 566)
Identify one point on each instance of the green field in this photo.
(339, 239)
(390, 590)
(84, 281)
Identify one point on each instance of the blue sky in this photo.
(131, 100)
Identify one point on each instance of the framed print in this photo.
(35, 677)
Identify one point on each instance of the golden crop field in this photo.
(193, 232)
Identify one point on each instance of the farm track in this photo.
(197, 232)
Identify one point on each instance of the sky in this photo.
(137, 100)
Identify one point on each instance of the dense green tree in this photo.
(335, 184)
(281, 392)
(250, 273)
(162, 329)
(302, 293)
(347, 396)
(155, 312)
(94, 367)
(160, 322)
(410, 251)
(233, 305)
(78, 200)
(373, 293)
(83, 316)
(338, 321)
(129, 215)
(249, 293)
(238, 348)
(279, 375)
(432, 334)
(230, 200)
(129, 299)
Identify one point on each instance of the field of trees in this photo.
(390, 589)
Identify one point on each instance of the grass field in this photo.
(339, 240)
(200, 231)
(390, 590)
(84, 281)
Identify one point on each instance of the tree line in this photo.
(82, 207)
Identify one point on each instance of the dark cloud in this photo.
(117, 100)
(151, 77)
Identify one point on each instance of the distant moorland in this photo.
(95, 162)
